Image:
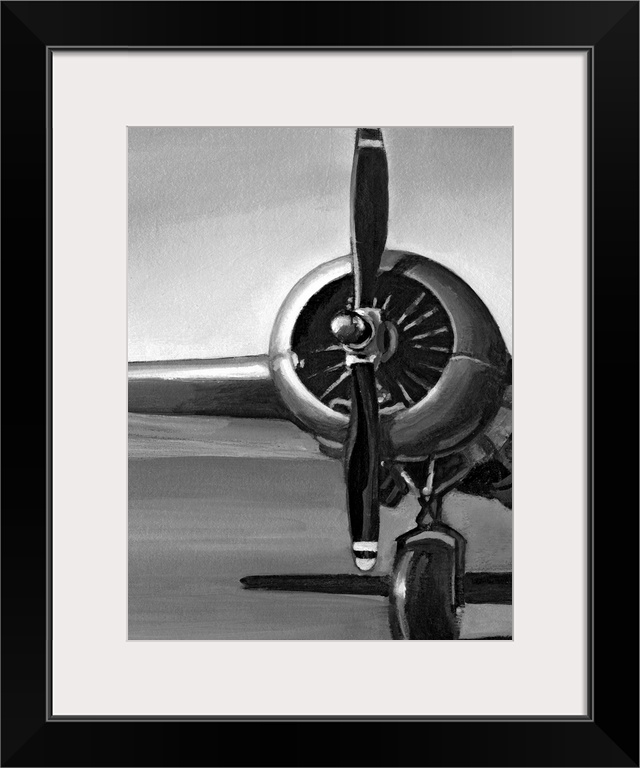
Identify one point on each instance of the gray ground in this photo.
(213, 500)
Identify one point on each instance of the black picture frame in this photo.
(608, 735)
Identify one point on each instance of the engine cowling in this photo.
(442, 376)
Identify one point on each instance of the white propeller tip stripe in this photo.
(365, 546)
(365, 564)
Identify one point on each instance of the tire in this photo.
(421, 599)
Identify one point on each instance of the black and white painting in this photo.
(320, 437)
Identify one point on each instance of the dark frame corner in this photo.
(609, 30)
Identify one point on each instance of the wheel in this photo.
(421, 599)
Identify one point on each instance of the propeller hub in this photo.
(387, 340)
(352, 329)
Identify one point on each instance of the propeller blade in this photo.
(361, 465)
(369, 218)
(369, 211)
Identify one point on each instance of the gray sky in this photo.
(224, 221)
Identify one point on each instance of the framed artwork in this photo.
(321, 376)
(443, 450)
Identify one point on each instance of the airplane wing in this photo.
(232, 386)
(241, 387)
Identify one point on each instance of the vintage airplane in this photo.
(398, 369)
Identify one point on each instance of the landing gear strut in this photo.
(426, 595)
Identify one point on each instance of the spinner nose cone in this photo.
(351, 328)
(365, 554)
